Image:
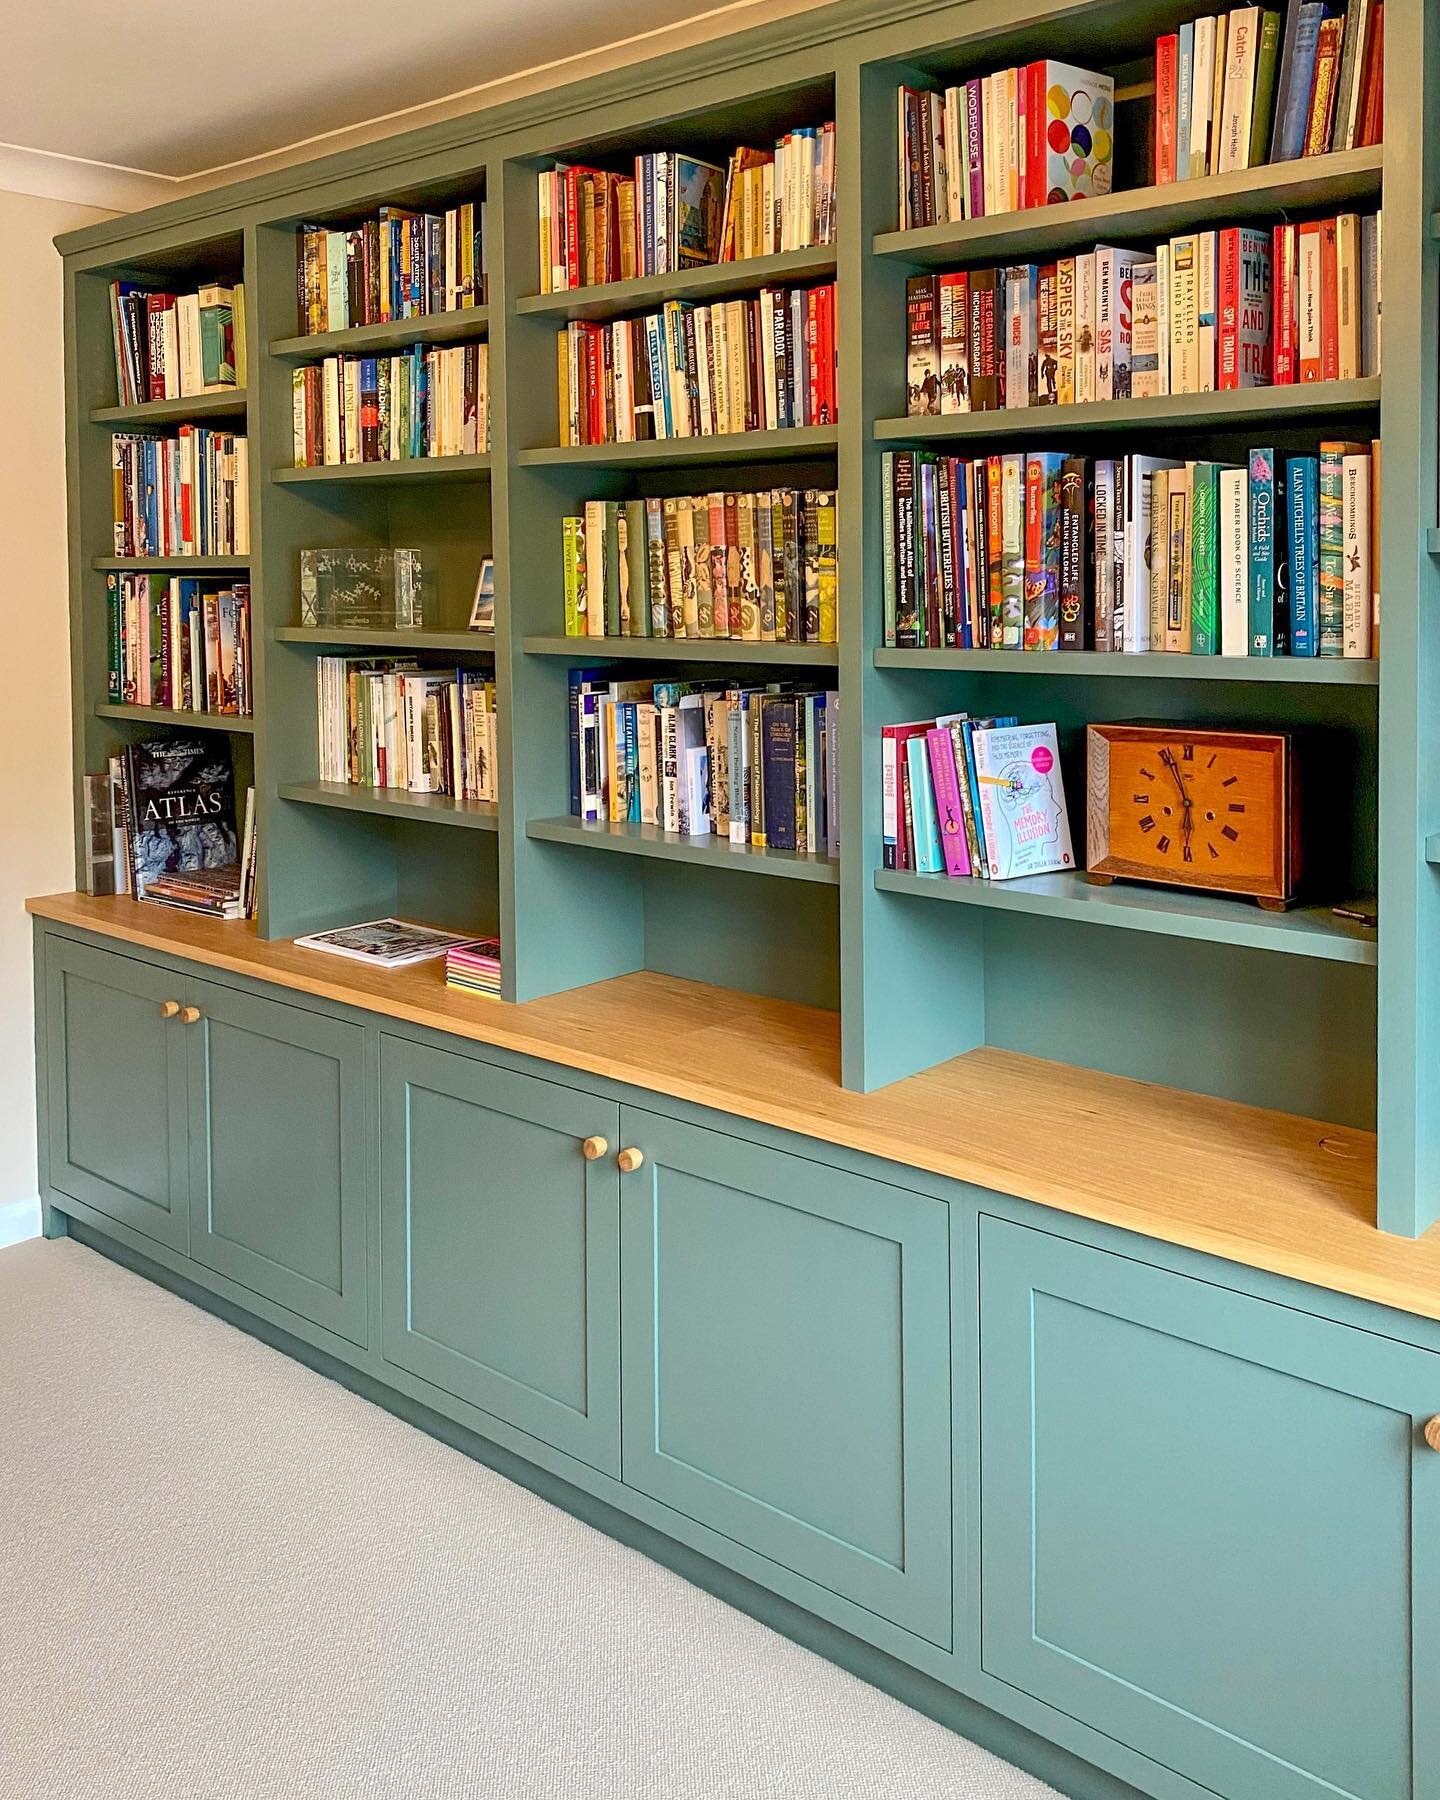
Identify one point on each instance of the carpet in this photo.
(223, 1577)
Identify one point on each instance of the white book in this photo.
(1019, 334)
(1022, 801)
(1114, 324)
(1085, 327)
(1202, 83)
(1355, 522)
(767, 356)
(956, 184)
(1233, 540)
(1206, 311)
(1012, 139)
(1138, 550)
(1162, 315)
(1239, 95)
(1145, 334)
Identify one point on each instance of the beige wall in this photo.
(35, 791)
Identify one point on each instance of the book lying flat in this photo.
(386, 943)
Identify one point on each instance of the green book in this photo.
(1267, 58)
(572, 529)
(612, 569)
(635, 607)
(1204, 557)
(217, 337)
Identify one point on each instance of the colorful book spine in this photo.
(1303, 484)
(949, 809)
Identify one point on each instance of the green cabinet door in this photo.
(116, 1079)
(1210, 1524)
(278, 1153)
(787, 1362)
(499, 1244)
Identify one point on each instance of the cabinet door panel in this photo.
(1207, 1528)
(786, 1363)
(278, 1146)
(117, 1114)
(500, 1245)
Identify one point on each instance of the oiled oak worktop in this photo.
(1266, 1189)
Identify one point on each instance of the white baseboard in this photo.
(19, 1219)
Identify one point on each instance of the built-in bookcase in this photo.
(1300, 1011)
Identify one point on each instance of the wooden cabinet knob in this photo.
(1432, 1432)
(630, 1160)
(189, 1014)
(169, 1009)
(593, 1148)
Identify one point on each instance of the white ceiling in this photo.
(128, 101)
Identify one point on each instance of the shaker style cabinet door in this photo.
(1210, 1524)
(499, 1267)
(116, 1077)
(279, 1130)
(787, 1362)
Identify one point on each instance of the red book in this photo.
(1372, 103)
(187, 494)
(571, 216)
(1329, 302)
(830, 357)
(156, 307)
(594, 387)
(1322, 91)
(1283, 326)
(1167, 107)
(1038, 115)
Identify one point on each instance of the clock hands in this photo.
(1187, 814)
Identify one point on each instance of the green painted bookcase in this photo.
(1299, 1012)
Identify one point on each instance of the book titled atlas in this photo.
(180, 807)
(1022, 801)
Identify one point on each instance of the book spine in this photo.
(1204, 559)
(1167, 53)
(1073, 608)
(1234, 572)
(1330, 639)
(949, 812)
(1357, 552)
(1303, 476)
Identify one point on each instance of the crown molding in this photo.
(45, 175)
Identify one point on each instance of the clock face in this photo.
(1195, 809)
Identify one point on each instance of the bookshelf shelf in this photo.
(198, 407)
(181, 565)
(701, 650)
(436, 809)
(713, 281)
(1432, 540)
(481, 643)
(395, 334)
(1311, 931)
(1342, 179)
(164, 715)
(734, 447)
(668, 846)
(417, 468)
(1325, 671)
(1282, 406)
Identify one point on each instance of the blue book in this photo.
(1292, 103)
(1303, 480)
(778, 732)
(1269, 561)
(929, 859)
(1184, 83)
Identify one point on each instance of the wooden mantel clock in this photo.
(1195, 807)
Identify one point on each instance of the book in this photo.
(1233, 541)
(388, 943)
(1302, 477)
(180, 807)
(1022, 801)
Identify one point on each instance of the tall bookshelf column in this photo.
(912, 989)
(1408, 1107)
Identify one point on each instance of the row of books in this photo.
(170, 346)
(761, 364)
(1208, 310)
(1242, 88)
(973, 797)
(179, 642)
(161, 825)
(474, 968)
(425, 401)
(398, 265)
(755, 765)
(187, 494)
(1041, 551)
(388, 723)
(678, 212)
(757, 566)
(998, 143)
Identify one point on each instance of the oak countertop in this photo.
(1292, 1196)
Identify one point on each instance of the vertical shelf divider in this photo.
(912, 984)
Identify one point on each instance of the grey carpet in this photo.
(222, 1577)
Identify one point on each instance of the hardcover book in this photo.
(180, 793)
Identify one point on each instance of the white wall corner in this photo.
(19, 1219)
(44, 175)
